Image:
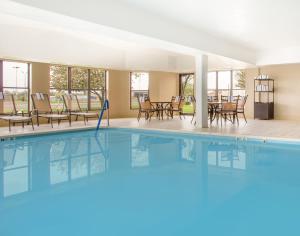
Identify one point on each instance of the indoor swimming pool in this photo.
(136, 182)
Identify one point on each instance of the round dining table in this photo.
(213, 106)
(160, 107)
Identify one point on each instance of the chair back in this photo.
(234, 98)
(230, 106)
(71, 102)
(177, 102)
(192, 100)
(41, 102)
(224, 98)
(144, 103)
(212, 98)
(8, 99)
(241, 103)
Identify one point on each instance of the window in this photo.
(97, 88)
(15, 82)
(139, 84)
(212, 83)
(79, 85)
(238, 83)
(88, 84)
(58, 85)
(186, 89)
(226, 83)
(187, 85)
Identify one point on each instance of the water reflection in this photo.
(86, 184)
(228, 155)
(38, 163)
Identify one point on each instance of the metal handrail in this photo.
(104, 108)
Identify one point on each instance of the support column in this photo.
(1, 173)
(201, 62)
(1, 86)
(1, 75)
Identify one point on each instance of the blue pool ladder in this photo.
(104, 108)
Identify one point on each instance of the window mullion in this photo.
(217, 83)
(89, 89)
(1, 76)
(231, 83)
(69, 80)
(28, 85)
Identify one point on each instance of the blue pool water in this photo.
(128, 182)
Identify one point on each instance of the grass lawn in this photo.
(188, 108)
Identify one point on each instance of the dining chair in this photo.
(228, 111)
(145, 107)
(176, 105)
(224, 98)
(241, 106)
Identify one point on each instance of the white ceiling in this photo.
(44, 37)
(151, 35)
(256, 24)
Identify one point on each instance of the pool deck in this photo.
(272, 129)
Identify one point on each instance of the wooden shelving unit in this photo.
(264, 99)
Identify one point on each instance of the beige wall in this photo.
(162, 86)
(40, 82)
(287, 90)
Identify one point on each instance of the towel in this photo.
(1, 96)
(142, 99)
(38, 97)
(42, 96)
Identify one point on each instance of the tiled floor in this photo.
(256, 128)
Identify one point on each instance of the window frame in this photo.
(133, 90)
(28, 88)
(180, 82)
(88, 89)
(231, 89)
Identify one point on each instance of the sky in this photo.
(15, 74)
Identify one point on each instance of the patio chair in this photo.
(212, 98)
(13, 118)
(73, 107)
(224, 98)
(228, 111)
(145, 107)
(42, 109)
(176, 105)
(241, 106)
(192, 100)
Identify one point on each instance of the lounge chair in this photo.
(72, 105)
(13, 118)
(42, 109)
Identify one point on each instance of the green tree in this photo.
(241, 80)
(59, 77)
(79, 80)
(187, 85)
(97, 83)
